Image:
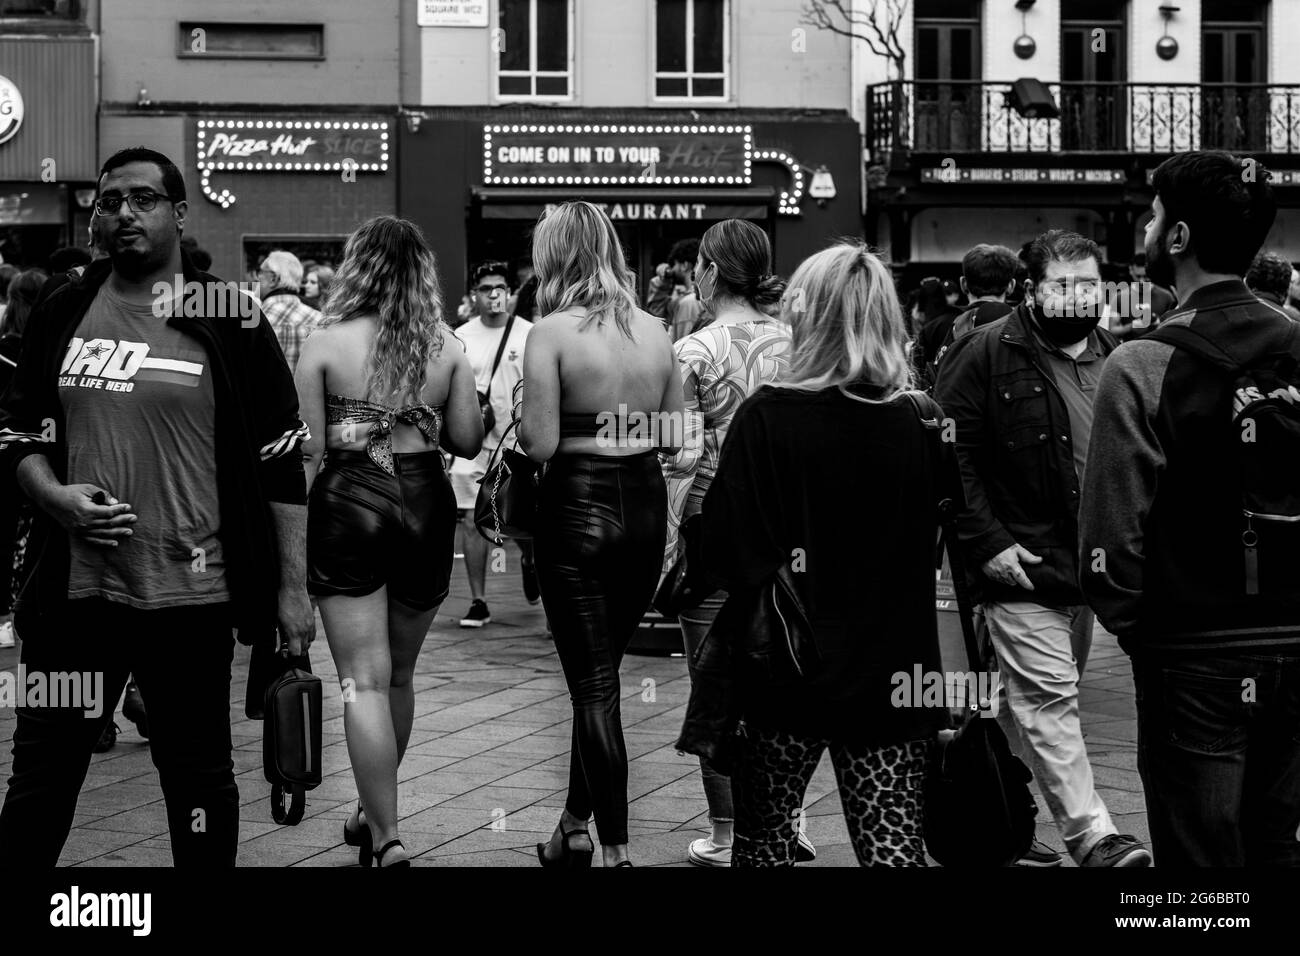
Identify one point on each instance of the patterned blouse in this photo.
(721, 366)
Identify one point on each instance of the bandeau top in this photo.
(341, 410)
(624, 430)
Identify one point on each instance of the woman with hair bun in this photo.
(721, 365)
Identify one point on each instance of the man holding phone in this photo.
(162, 451)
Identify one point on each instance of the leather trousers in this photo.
(598, 548)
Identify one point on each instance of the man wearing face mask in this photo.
(1020, 392)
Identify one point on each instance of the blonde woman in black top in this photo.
(832, 473)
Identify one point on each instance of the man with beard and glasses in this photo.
(1020, 392)
(161, 446)
(1191, 505)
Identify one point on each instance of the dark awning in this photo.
(629, 203)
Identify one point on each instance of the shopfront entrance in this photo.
(649, 221)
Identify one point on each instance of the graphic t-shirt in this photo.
(138, 400)
(481, 345)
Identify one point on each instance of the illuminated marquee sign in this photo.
(1066, 177)
(333, 146)
(598, 155)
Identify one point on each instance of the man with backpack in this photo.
(988, 275)
(1190, 527)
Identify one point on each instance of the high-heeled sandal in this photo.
(379, 857)
(569, 859)
(624, 863)
(360, 837)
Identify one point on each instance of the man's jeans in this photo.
(181, 660)
(1041, 655)
(1219, 755)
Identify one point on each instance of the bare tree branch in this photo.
(877, 26)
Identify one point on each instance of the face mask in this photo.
(707, 283)
(1067, 329)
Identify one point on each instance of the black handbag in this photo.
(979, 811)
(682, 587)
(291, 742)
(506, 506)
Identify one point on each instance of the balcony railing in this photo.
(976, 117)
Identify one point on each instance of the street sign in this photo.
(452, 13)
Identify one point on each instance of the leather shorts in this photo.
(367, 528)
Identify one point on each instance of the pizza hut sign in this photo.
(346, 146)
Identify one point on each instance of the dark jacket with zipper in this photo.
(1163, 496)
(258, 441)
(1015, 448)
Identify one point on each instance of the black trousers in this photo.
(599, 548)
(181, 659)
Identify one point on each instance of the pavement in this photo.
(485, 774)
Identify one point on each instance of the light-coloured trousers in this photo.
(1041, 653)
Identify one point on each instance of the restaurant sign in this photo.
(345, 147)
(591, 155)
(638, 211)
(1060, 177)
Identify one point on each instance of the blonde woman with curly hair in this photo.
(382, 384)
(602, 393)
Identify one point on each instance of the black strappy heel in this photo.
(361, 838)
(570, 859)
(379, 857)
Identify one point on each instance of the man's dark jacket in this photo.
(1016, 452)
(258, 441)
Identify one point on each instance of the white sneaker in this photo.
(805, 852)
(7, 634)
(704, 852)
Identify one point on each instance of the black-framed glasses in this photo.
(143, 201)
(489, 289)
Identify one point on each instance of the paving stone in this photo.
(490, 746)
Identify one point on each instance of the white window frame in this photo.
(690, 75)
(533, 73)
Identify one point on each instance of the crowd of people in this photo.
(235, 476)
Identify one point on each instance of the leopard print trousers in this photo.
(880, 788)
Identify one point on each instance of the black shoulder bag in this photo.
(978, 808)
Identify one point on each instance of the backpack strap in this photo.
(1193, 340)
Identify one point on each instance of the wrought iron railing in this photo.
(977, 117)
